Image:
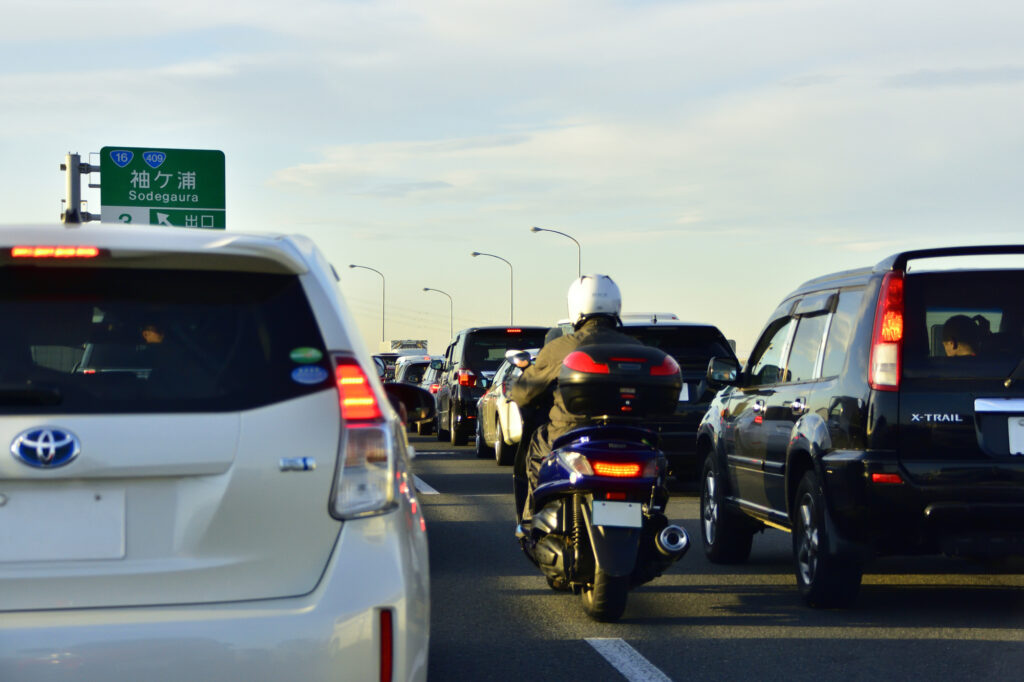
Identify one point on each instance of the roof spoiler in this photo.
(899, 260)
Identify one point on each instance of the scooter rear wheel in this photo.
(605, 600)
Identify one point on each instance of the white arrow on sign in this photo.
(161, 219)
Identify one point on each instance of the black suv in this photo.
(880, 412)
(469, 363)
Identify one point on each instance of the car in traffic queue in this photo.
(881, 412)
(499, 424)
(411, 369)
(238, 504)
(469, 362)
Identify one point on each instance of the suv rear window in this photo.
(962, 324)
(93, 340)
(485, 349)
(691, 346)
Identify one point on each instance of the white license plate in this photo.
(684, 393)
(1016, 426)
(624, 514)
(76, 524)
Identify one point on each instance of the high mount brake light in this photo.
(887, 337)
(579, 361)
(357, 399)
(514, 330)
(617, 469)
(667, 368)
(54, 252)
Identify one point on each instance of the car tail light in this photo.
(466, 378)
(387, 644)
(617, 469)
(54, 252)
(667, 368)
(886, 478)
(579, 361)
(887, 338)
(364, 471)
(434, 388)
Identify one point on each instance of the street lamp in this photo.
(511, 299)
(381, 296)
(450, 328)
(579, 251)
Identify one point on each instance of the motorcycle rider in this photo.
(594, 305)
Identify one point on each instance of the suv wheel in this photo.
(457, 436)
(482, 451)
(825, 580)
(442, 433)
(726, 535)
(503, 454)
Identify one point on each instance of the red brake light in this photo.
(615, 496)
(513, 331)
(434, 388)
(886, 478)
(466, 378)
(54, 252)
(387, 639)
(357, 399)
(667, 368)
(887, 337)
(617, 469)
(581, 362)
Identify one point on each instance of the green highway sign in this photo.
(177, 187)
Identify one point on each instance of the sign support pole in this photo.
(73, 169)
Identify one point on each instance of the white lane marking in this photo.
(627, 660)
(421, 486)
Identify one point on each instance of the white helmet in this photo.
(593, 295)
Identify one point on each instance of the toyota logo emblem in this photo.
(45, 448)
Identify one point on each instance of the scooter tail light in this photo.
(578, 361)
(617, 469)
(667, 368)
(887, 337)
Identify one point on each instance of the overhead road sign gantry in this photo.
(174, 187)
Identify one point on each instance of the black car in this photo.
(470, 362)
(880, 412)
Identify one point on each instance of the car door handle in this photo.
(798, 406)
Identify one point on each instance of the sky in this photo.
(709, 155)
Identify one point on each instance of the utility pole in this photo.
(74, 169)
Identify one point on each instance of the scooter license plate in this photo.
(623, 514)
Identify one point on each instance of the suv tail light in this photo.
(887, 338)
(363, 474)
(466, 378)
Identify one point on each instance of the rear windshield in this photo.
(413, 373)
(91, 340)
(691, 346)
(485, 350)
(964, 324)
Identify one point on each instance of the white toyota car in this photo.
(204, 478)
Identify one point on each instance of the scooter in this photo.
(595, 523)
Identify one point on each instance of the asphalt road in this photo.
(494, 618)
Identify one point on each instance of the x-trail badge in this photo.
(45, 448)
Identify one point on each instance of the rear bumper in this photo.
(331, 633)
(982, 514)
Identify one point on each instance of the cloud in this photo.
(960, 78)
(402, 189)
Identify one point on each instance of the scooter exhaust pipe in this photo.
(672, 541)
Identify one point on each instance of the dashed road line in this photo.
(627, 660)
(423, 487)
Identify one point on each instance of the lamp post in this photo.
(579, 251)
(451, 335)
(511, 299)
(381, 296)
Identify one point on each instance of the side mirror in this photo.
(416, 403)
(519, 358)
(723, 372)
(436, 364)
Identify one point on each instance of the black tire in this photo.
(457, 437)
(504, 455)
(726, 534)
(483, 451)
(425, 428)
(605, 600)
(825, 580)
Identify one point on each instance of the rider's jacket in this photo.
(536, 379)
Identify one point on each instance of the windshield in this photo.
(692, 346)
(122, 340)
(964, 324)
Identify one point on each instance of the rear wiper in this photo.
(1016, 375)
(12, 396)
